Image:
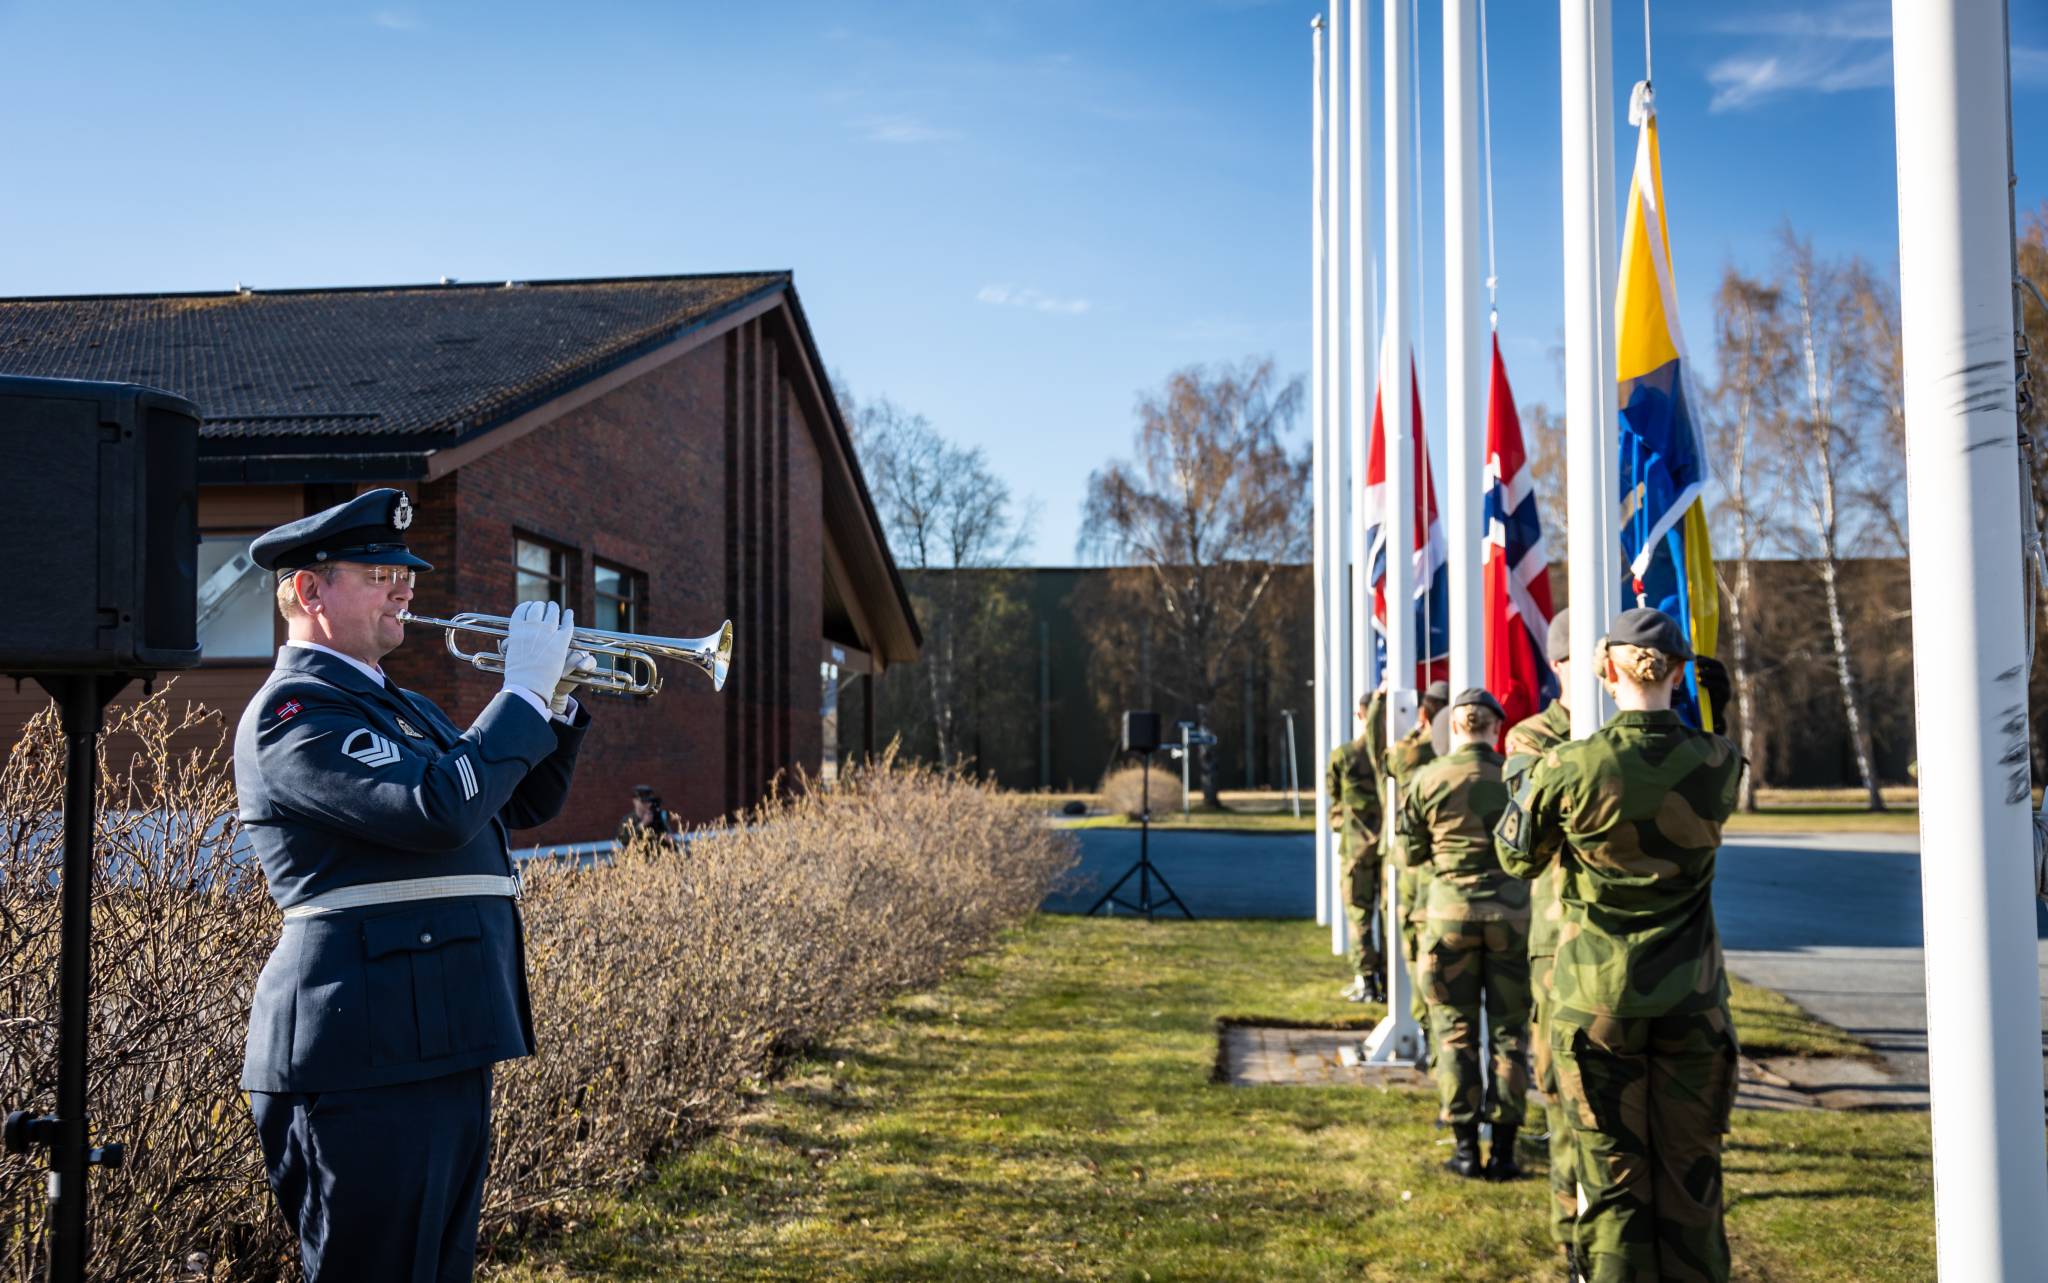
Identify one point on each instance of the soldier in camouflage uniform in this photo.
(1355, 812)
(1527, 741)
(1639, 1025)
(1475, 945)
(1408, 754)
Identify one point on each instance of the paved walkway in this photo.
(1830, 920)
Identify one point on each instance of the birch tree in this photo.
(1212, 501)
(1756, 359)
(945, 511)
(1821, 454)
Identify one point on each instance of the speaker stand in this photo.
(82, 698)
(1143, 868)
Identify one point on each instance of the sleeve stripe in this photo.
(468, 774)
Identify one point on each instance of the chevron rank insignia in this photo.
(369, 748)
(407, 727)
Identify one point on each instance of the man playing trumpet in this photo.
(399, 976)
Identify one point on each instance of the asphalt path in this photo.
(1833, 921)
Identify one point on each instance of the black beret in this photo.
(1437, 692)
(368, 529)
(1480, 697)
(1651, 629)
(1558, 641)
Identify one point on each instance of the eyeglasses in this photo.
(404, 576)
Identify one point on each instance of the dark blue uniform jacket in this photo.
(342, 782)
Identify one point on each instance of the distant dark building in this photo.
(658, 453)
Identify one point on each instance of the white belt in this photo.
(370, 893)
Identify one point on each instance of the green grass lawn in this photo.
(1048, 1114)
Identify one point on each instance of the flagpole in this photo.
(1952, 95)
(1320, 499)
(1464, 342)
(1397, 1038)
(1338, 481)
(1591, 497)
(1355, 365)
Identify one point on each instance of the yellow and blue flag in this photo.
(1663, 466)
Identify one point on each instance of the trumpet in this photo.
(636, 672)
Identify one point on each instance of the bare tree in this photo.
(1756, 360)
(945, 513)
(1544, 451)
(1822, 454)
(1212, 502)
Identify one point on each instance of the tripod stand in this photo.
(1143, 868)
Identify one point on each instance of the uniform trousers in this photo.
(1650, 1098)
(1564, 1186)
(1412, 895)
(1475, 955)
(1361, 898)
(381, 1183)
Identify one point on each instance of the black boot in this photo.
(1500, 1160)
(1464, 1160)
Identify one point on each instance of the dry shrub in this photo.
(1123, 791)
(667, 981)
(663, 983)
(179, 932)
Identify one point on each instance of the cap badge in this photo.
(401, 513)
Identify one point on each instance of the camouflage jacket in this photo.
(1355, 793)
(1528, 740)
(1633, 815)
(1449, 808)
(1407, 755)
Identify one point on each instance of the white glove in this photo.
(580, 661)
(536, 647)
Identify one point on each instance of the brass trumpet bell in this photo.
(636, 673)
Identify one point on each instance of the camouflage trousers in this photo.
(1474, 956)
(1564, 1185)
(1649, 1098)
(1361, 882)
(1411, 893)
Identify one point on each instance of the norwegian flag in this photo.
(1516, 582)
(1432, 622)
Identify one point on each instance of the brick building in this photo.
(658, 453)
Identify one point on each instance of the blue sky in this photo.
(1011, 217)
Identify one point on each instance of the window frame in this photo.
(635, 598)
(277, 625)
(563, 573)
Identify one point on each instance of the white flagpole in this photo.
(1319, 430)
(1465, 369)
(1591, 496)
(1397, 1037)
(1336, 458)
(1361, 382)
(1952, 96)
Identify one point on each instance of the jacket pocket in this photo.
(425, 972)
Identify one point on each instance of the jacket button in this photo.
(426, 937)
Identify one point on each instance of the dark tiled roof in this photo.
(380, 371)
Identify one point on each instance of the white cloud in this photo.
(1826, 50)
(396, 19)
(1031, 299)
(903, 129)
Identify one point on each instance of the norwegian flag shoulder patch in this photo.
(289, 709)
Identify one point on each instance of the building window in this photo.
(621, 599)
(621, 605)
(540, 571)
(828, 761)
(237, 607)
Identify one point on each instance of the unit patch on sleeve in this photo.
(286, 711)
(369, 748)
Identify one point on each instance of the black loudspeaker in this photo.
(1141, 732)
(99, 524)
